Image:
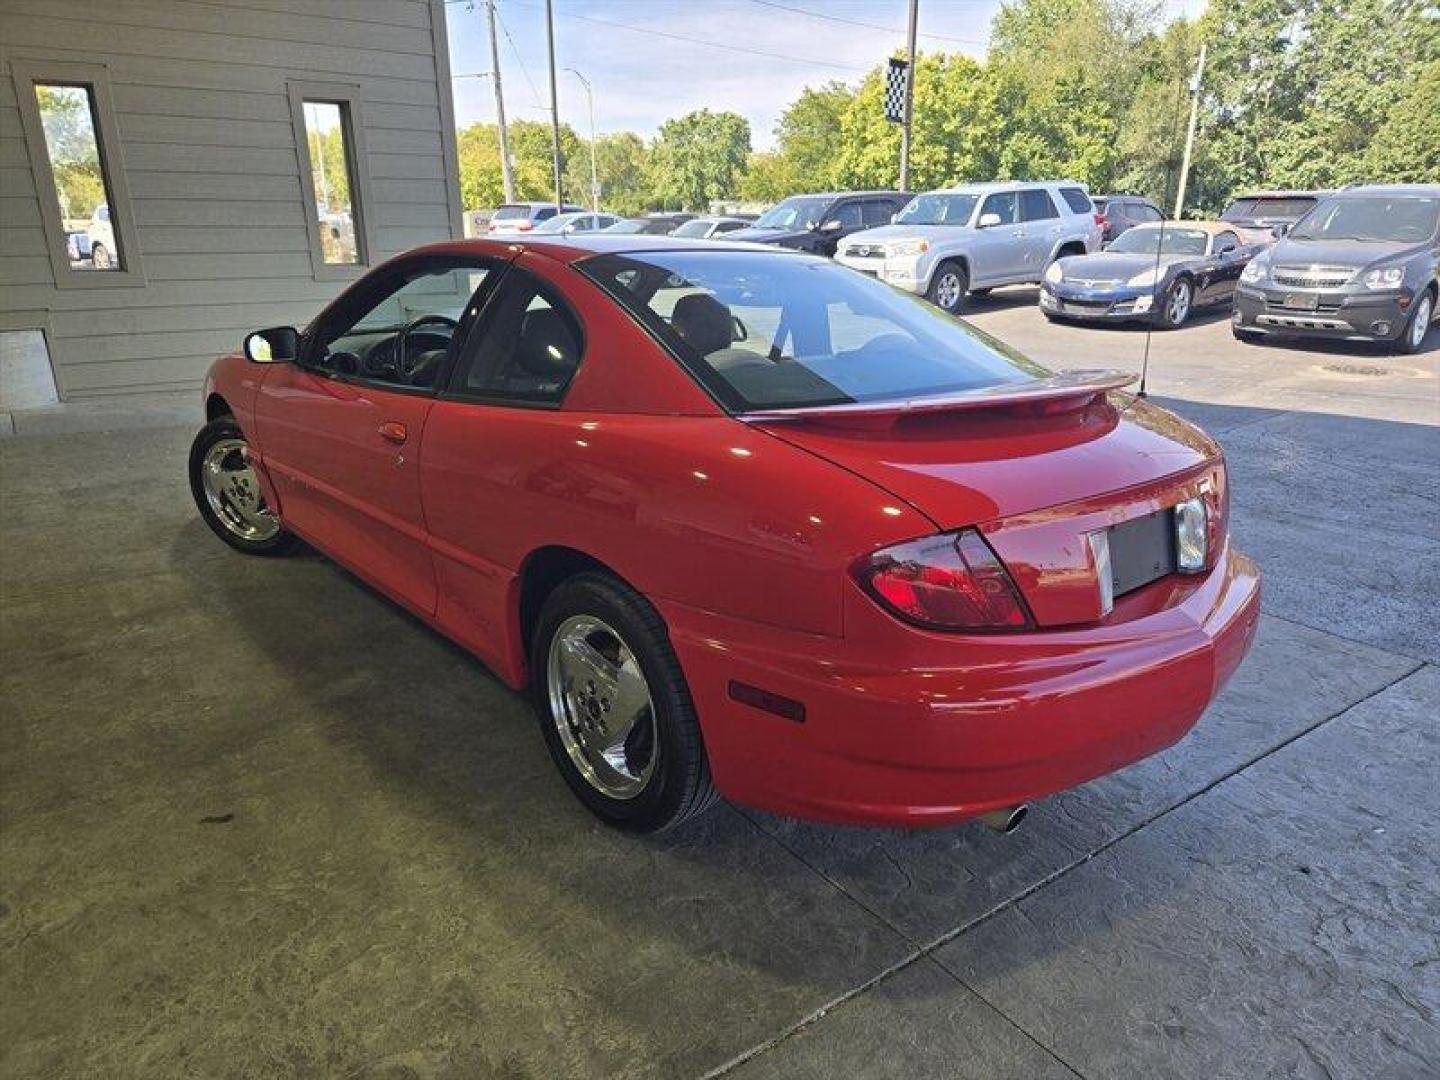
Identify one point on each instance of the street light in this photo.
(594, 174)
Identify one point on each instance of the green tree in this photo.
(698, 157)
(74, 154)
(1406, 148)
(770, 178)
(807, 136)
(478, 148)
(620, 161)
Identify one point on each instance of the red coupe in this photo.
(746, 523)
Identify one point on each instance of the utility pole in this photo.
(554, 107)
(1190, 134)
(507, 169)
(594, 173)
(909, 97)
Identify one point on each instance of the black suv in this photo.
(819, 222)
(1117, 213)
(1364, 265)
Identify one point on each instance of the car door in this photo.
(1043, 230)
(847, 213)
(998, 249)
(494, 420)
(1227, 259)
(340, 430)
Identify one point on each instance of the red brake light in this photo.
(1100, 219)
(948, 582)
(1216, 493)
(525, 226)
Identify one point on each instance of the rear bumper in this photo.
(1338, 315)
(903, 727)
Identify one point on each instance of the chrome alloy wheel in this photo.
(233, 491)
(947, 290)
(1178, 304)
(600, 704)
(1420, 324)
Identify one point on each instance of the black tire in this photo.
(948, 286)
(1409, 342)
(1163, 318)
(224, 429)
(679, 786)
(100, 257)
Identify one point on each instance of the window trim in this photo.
(352, 119)
(27, 74)
(465, 358)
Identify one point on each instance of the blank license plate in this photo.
(1303, 301)
(1142, 550)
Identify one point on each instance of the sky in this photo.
(649, 61)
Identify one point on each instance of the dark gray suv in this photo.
(1364, 265)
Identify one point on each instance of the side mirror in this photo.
(277, 345)
(988, 221)
(834, 225)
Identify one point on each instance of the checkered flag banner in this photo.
(896, 74)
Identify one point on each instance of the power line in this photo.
(709, 44)
(866, 25)
(515, 51)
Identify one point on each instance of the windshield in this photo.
(698, 227)
(777, 330)
(937, 209)
(1263, 208)
(1154, 240)
(801, 212)
(625, 227)
(558, 223)
(1393, 218)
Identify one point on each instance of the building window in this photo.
(329, 141)
(73, 149)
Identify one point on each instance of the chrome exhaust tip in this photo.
(1006, 820)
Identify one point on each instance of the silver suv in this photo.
(971, 238)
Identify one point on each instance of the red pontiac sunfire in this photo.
(746, 523)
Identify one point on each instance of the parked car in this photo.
(1116, 213)
(102, 239)
(727, 514)
(817, 223)
(1153, 273)
(1364, 265)
(576, 221)
(947, 244)
(521, 217)
(1261, 216)
(77, 246)
(703, 228)
(651, 224)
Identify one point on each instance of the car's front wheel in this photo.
(614, 707)
(1175, 307)
(948, 287)
(1413, 336)
(227, 491)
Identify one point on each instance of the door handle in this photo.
(394, 431)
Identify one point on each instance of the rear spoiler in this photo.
(1069, 391)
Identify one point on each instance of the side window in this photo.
(1146, 212)
(1077, 200)
(848, 214)
(73, 148)
(529, 348)
(877, 212)
(545, 213)
(399, 332)
(1036, 205)
(1226, 241)
(1004, 204)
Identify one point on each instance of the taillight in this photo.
(525, 226)
(948, 582)
(1215, 490)
(1101, 219)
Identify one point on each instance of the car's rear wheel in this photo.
(614, 707)
(227, 491)
(1175, 308)
(948, 287)
(1413, 336)
(100, 256)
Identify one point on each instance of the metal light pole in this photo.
(507, 168)
(554, 108)
(909, 97)
(1190, 134)
(594, 173)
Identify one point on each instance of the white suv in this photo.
(971, 238)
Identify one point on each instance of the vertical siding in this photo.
(200, 101)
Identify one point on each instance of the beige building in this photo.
(174, 173)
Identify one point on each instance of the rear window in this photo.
(510, 213)
(767, 330)
(1078, 201)
(698, 227)
(1286, 208)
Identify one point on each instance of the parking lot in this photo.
(258, 821)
